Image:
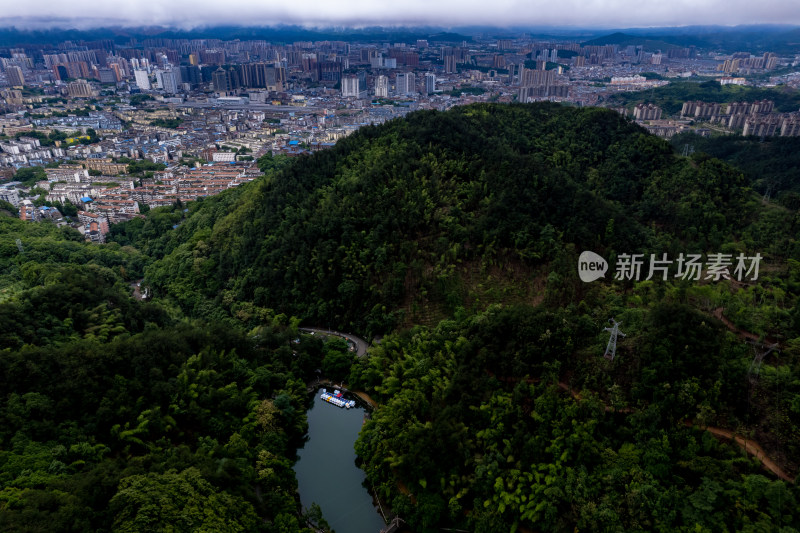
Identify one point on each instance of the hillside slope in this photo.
(414, 218)
(120, 415)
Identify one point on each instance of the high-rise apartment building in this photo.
(329, 71)
(262, 76)
(120, 69)
(505, 44)
(142, 79)
(382, 86)
(535, 78)
(430, 83)
(170, 81)
(225, 80)
(405, 84)
(191, 74)
(450, 64)
(15, 76)
(79, 89)
(647, 112)
(106, 75)
(350, 86)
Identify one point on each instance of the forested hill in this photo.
(405, 222)
(769, 164)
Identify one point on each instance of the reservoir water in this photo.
(327, 473)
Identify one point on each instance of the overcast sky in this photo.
(187, 14)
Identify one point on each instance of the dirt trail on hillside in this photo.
(746, 335)
(750, 446)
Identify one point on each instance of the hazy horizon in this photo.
(571, 14)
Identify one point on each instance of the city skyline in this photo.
(184, 15)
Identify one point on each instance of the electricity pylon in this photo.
(611, 348)
(755, 366)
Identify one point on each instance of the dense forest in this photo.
(476, 427)
(770, 164)
(456, 237)
(123, 415)
(511, 419)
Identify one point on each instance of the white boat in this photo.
(337, 399)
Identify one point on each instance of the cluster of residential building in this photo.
(748, 118)
(751, 118)
(23, 149)
(745, 63)
(108, 199)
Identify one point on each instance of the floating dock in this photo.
(337, 399)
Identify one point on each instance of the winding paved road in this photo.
(361, 344)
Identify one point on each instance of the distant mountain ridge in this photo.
(11, 35)
(649, 43)
(18, 30)
(740, 38)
